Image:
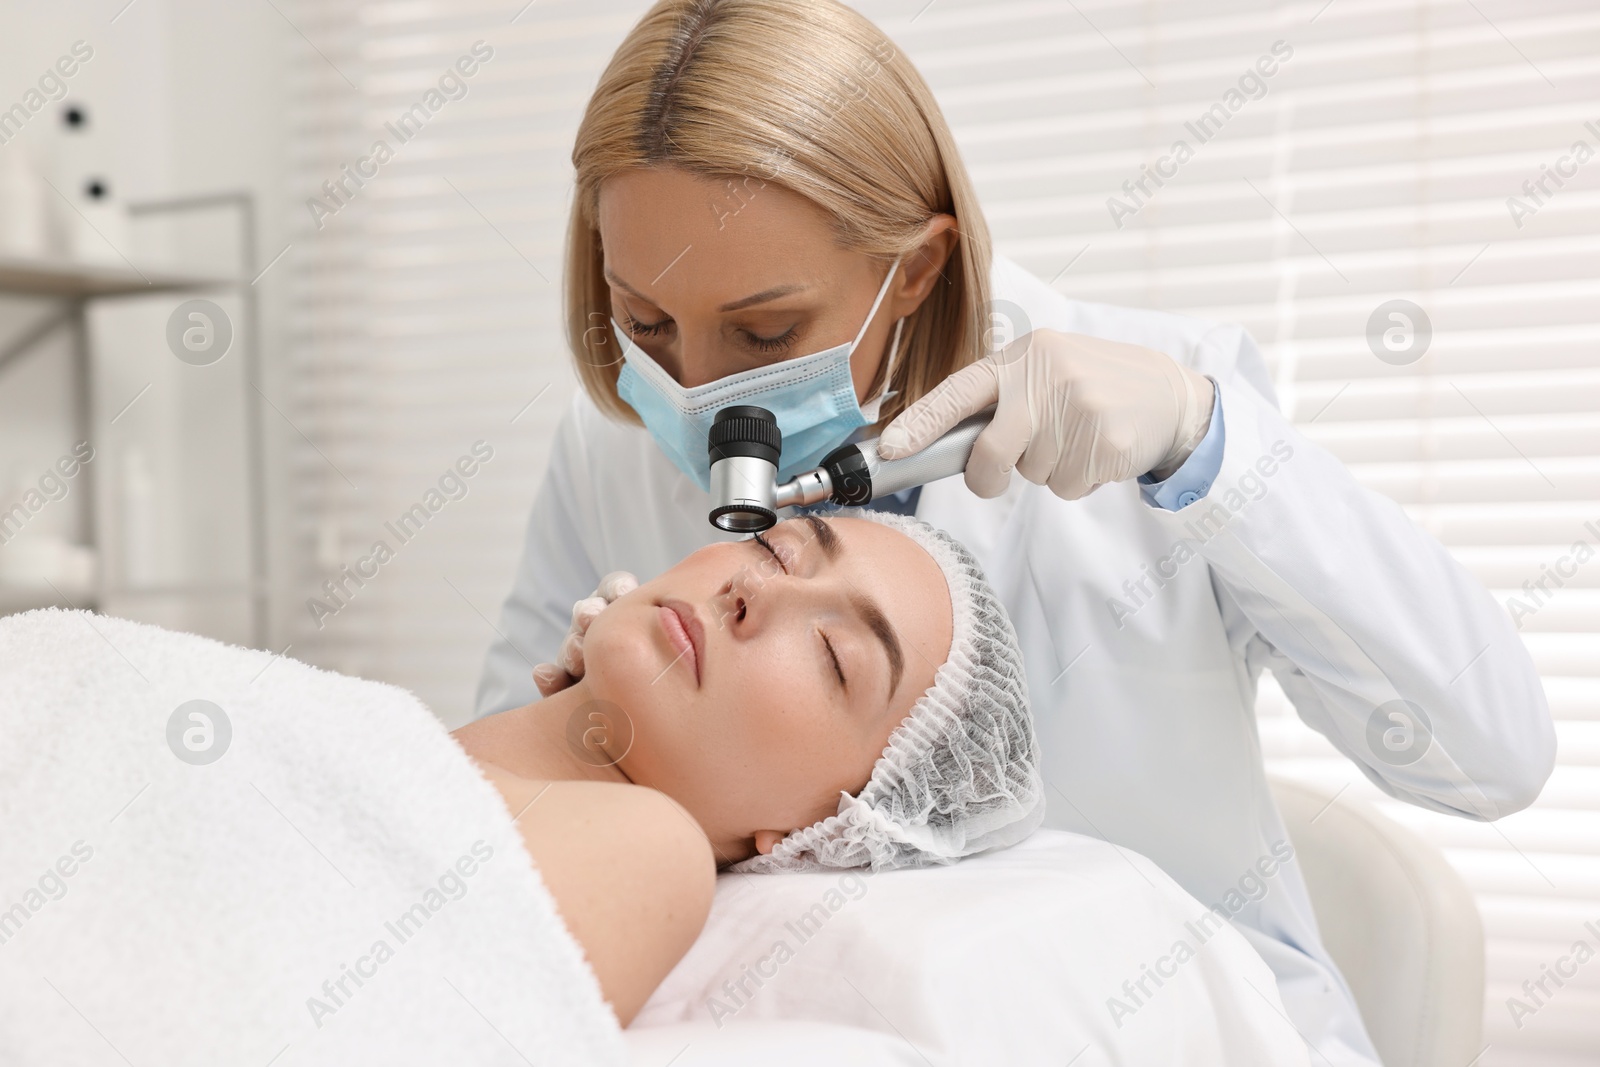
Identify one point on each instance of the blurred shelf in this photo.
(17, 596)
(59, 277)
(23, 596)
(184, 589)
(75, 285)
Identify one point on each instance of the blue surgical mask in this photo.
(813, 398)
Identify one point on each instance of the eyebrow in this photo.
(620, 284)
(826, 537)
(879, 624)
(762, 297)
(872, 615)
(737, 305)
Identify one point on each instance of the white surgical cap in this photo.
(960, 774)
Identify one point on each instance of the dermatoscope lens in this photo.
(743, 519)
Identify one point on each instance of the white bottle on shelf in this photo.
(93, 220)
(24, 209)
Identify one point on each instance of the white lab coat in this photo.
(1144, 698)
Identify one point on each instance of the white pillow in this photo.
(1032, 954)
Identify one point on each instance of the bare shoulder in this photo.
(630, 870)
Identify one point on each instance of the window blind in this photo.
(426, 321)
(1335, 157)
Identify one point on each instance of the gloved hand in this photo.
(568, 667)
(1073, 413)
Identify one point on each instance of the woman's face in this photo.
(716, 277)
(761, 684)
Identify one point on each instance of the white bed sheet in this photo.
(1046, 953)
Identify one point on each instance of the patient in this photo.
(839, 692)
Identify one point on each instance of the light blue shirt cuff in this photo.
(1193, 479)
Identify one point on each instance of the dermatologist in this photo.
(770, 209)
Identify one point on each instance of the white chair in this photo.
(1399, 922)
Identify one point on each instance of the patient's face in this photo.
(760, 684)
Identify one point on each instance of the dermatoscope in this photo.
(745, 444)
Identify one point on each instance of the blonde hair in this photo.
(806, 94)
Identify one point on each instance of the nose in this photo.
(745, 604)
(702, 366)
(693, 371)
(690, 361)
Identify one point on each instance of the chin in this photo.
(623, 663)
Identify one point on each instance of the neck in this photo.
(570, 736)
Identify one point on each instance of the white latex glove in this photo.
(1073, 413)
(568, 667)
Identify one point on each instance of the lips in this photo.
(686, 633)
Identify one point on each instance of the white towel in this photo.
(341, 886)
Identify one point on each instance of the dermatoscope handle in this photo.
(944, 457)
(850, 475)
(856, 475)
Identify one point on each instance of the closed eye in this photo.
(645, 329)
(835, 657)
(782, 342)
(764, 543)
